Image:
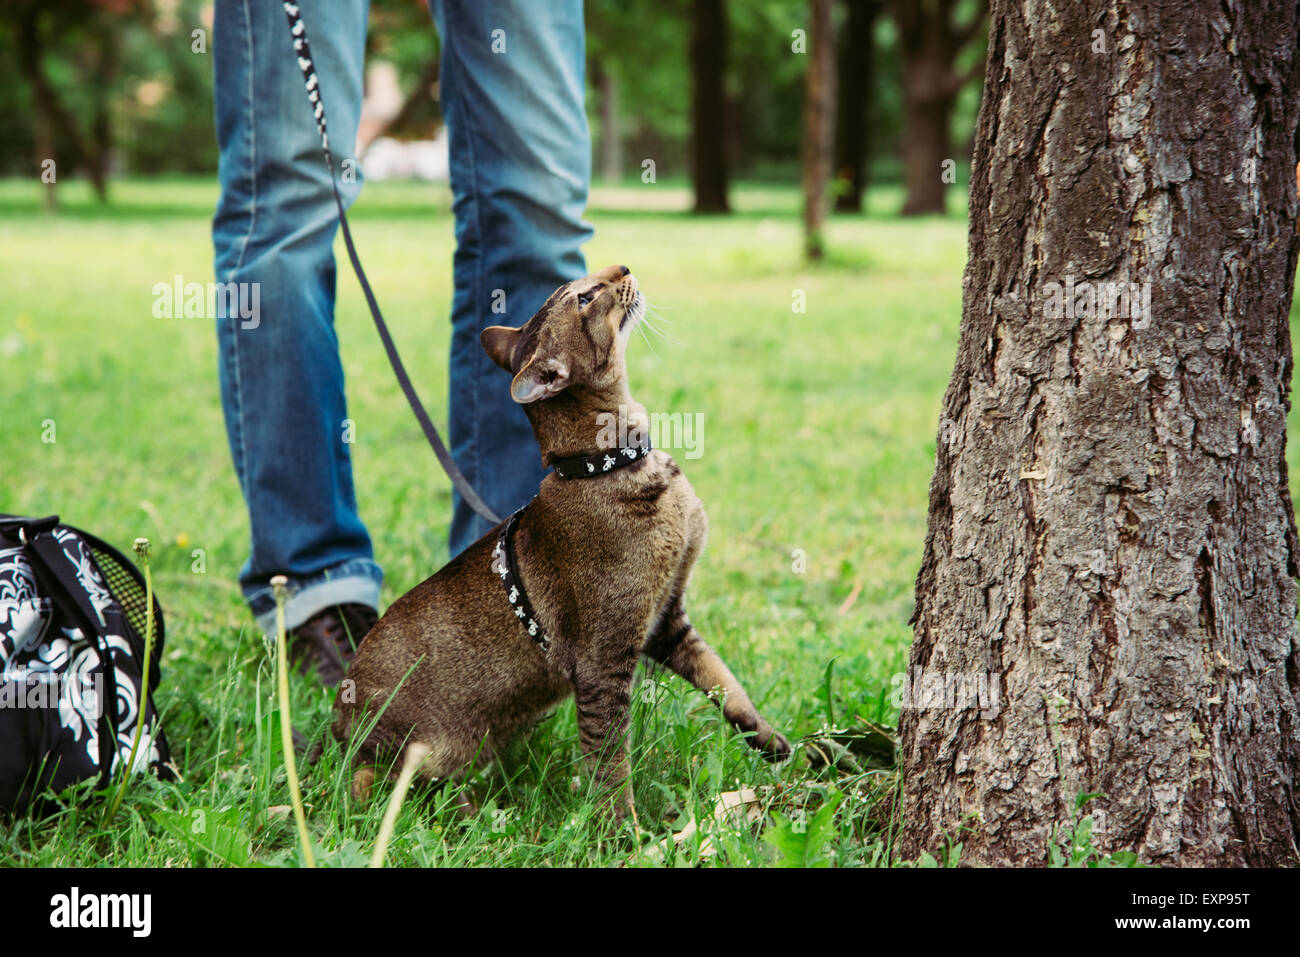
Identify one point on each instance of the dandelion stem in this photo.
(279, 584)
(415, 755)
(142, 709)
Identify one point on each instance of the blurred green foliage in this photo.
(157, 83)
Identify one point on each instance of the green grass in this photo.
(819, 438)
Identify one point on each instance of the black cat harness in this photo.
(504, 562)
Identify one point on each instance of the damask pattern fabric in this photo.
(55, 683)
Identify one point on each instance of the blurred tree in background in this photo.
(710, 115)
(640, 84)
(401, 33)
(933, 35)
(819, 125)
(107, 86)
(855, 105)
(124, 87)
(66, 69)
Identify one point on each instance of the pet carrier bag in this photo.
(72, 647)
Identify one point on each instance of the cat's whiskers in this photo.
(653, 319)
(653, 350)
(659, 313)
(637, 316)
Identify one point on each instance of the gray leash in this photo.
(301, 47)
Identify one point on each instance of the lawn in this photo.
(817, 449)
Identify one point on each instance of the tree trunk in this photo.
(926, 147)
(928, 103)
(54, 118)
(708, 105)
(853, 123)
(1111, 539)
(611, 145)
(929, 41)
(100, 140)
(818, 125)
(43, 120)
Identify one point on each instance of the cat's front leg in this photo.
(679, 646)
(602, 688)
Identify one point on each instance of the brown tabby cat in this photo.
(604, 562)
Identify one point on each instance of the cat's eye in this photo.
(584, 298)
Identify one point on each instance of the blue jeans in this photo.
(520, 169)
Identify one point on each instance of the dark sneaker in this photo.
(329, 639)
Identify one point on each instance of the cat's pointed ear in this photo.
(499, 343)
(540, 379)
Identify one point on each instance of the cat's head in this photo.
(576, 340)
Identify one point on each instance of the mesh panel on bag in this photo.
(129, 594)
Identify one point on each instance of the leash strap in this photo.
(303, 50)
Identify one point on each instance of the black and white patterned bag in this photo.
(70, 604)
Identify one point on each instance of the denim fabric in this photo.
(512, 95)
(520, 167)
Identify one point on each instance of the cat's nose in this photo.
(625, 270)
(613, 273)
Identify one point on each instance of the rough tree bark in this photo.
(930, 41)
(708, 105)
(818, 125)
(1111, 536)
(857, 59)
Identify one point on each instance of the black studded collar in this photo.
(590, 466)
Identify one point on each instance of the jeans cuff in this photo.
(354, 582)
